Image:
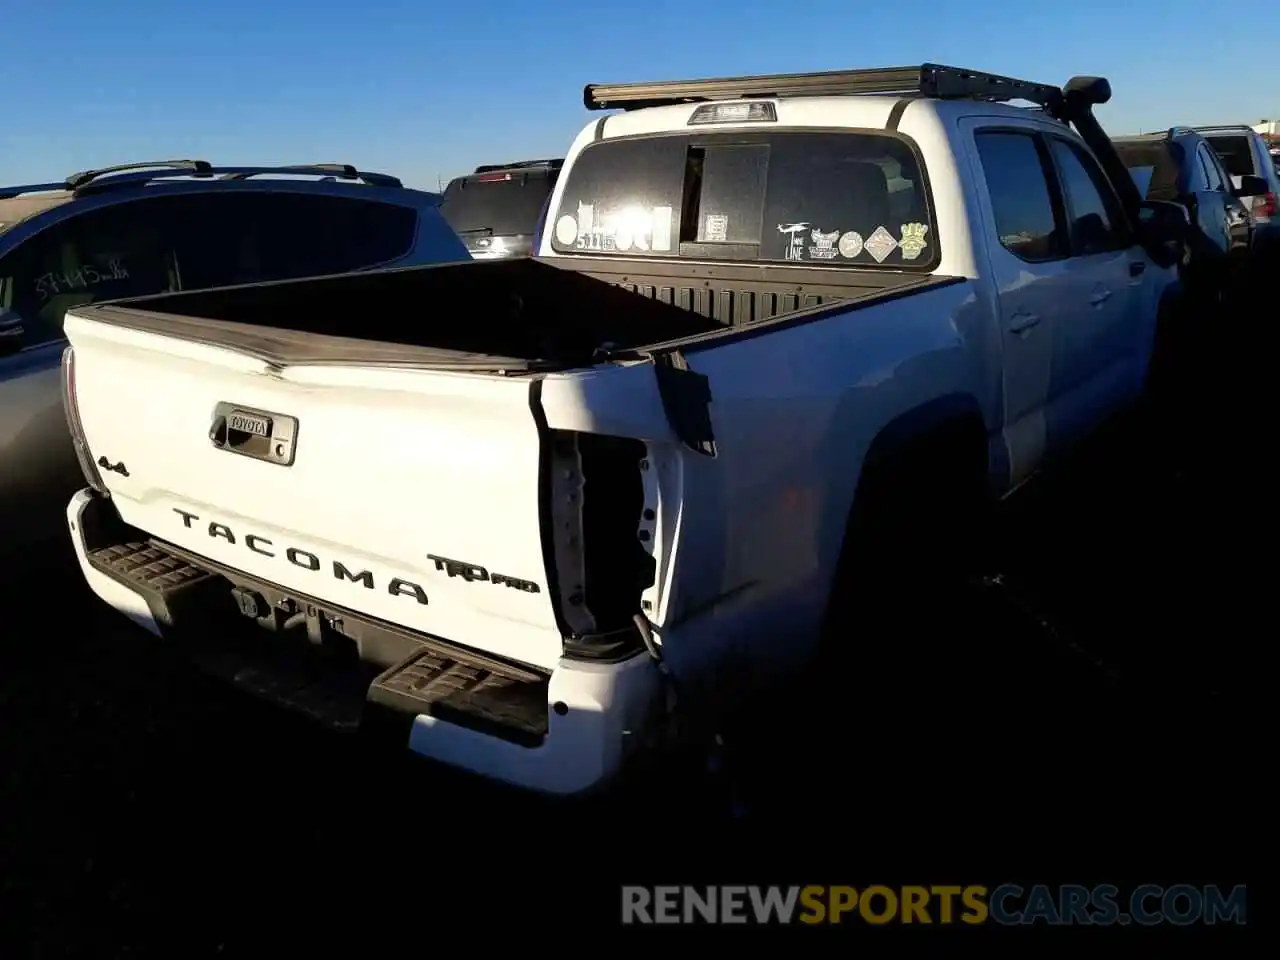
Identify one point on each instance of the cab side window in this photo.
(1017, 175)
(1094, 220)
(101, 254)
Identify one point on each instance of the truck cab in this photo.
(698, 192)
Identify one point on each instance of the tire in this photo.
(910, 542)
(917, 535)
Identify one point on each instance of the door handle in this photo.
(1100, 297)
(1137, 268)
(1022, 321)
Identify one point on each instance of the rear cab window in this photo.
(851, 199)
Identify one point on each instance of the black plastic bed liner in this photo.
(512, 315)
(339, 667)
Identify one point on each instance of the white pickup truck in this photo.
(783, 334)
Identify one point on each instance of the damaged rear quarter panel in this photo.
(747, 540)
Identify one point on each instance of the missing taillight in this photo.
(602, 567)
(71, 407)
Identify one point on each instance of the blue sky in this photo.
(427, 90)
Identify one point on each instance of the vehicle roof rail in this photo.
(131, 178)
(195, 168)
(926, 80)
(520, 165)
(8, 193)
(335, 171)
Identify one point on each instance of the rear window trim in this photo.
(697, 138)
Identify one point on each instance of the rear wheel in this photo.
(897, 624)
(916, 538)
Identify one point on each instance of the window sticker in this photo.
(850, 244)
(661, 236)
(631, 228)
(716, 228)
(566, 230)
(913, 242)
(824, 245)
(795, 239)
(880, 244)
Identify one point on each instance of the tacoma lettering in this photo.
(305, 559)
(473, 572)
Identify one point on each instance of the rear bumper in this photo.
(562, 733)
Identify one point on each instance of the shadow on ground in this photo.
(1096, 680)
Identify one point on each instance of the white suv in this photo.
(1244, 153)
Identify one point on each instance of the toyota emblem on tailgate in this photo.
(258, 434)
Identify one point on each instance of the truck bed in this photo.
(512, 314)
(735, 295)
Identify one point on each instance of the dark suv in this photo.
(498, 209)
(141, 229)
(1179, 165)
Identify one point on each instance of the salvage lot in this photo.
(1100, 687)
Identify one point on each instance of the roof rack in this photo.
(328, 171)
(927, 80)
(195, 168)
(135, 174)
(521, 165)
(1242, 127)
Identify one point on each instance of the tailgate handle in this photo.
(258, 434)
(218, 432)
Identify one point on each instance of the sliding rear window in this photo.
(826, 199)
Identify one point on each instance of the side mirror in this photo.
(1164, 228)
(11, 332)
(1251, 186)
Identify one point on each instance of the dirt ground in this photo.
(145, 806)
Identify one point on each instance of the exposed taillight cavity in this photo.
(1265, 208)
(71, 406)
(601, 567)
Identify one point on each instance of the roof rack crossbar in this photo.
(196, 168)
(927, 80)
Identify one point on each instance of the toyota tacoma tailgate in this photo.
(408, 495)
